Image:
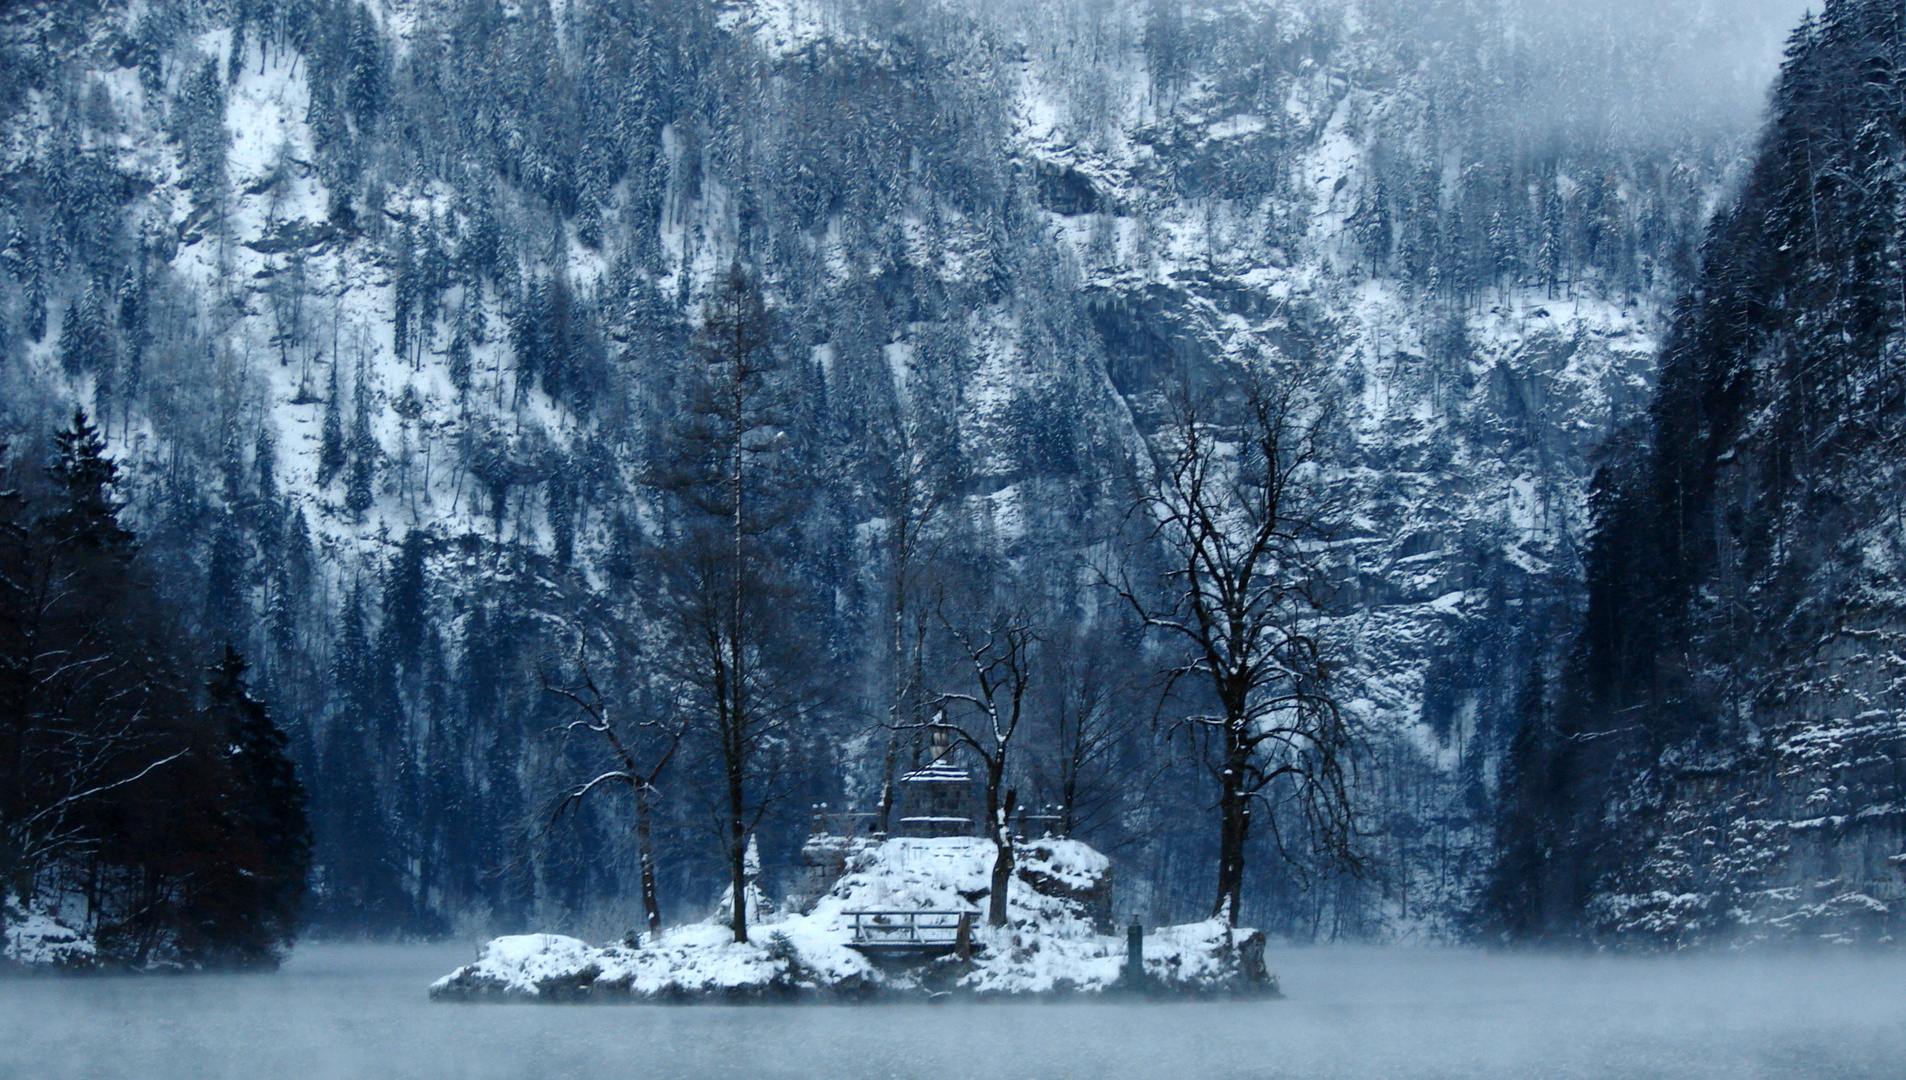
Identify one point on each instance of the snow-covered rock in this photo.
(37, 940)
(700, 961)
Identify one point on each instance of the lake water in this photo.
(1395, 1014)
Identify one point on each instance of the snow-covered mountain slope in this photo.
(387, 307)
(1723, 759)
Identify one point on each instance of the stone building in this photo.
(936, 800)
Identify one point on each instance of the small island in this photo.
(902, 918)
(907, 915)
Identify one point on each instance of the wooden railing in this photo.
(911, 929)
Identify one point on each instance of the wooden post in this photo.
(963, 937)
(1134, 954)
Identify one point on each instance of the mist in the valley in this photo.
(1645, 68)
(1629, 71)
(1401, 1014)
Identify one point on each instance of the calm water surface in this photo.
(1397, 1014)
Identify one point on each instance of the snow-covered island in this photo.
(888, 925)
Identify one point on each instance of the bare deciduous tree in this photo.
(1234, 504)
(736, 643)
(914, 486)
(640, 750)
(1088, 694)
(999, 661)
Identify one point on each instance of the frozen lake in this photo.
(1398, 1014)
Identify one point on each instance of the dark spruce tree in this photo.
(265, 809)
(331, 456)
(157, 816)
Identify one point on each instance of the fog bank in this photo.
(1401, 1014)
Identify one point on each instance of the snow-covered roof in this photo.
(938, 773)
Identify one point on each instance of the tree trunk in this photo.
(1069, 796)
(651, 904)
(1002, 861)
(737, 846)
(891, 762)
(738, 716)
(1234, 816)
(896, 666)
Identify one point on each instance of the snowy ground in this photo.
(1351, 1014)
(38, 940)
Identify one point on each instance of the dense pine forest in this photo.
(140, 774)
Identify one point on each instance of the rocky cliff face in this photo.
(387, 308)
(1724, 758)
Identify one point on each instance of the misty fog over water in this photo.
(360, 1011)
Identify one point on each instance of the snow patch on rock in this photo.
(35, 939)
